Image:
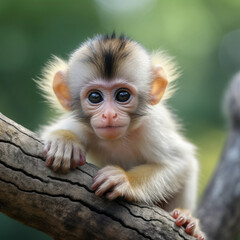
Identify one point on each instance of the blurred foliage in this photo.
(204, 36)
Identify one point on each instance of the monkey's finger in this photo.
(104, 174)
(58, 157)
(98, 175)
(113, 195)
(108, 184)
(175, 213)
(181, 220)
(46, 149)
(96, 184)
(51, 154)
(190, 228)
(75, 156)
(97, 181)
(67, 155)
(49, 161)
(82, 160)
(199, 235)
(201, 238)
(117, 192)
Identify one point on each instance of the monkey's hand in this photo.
(185, 219)
(63, 151)
(114, 182)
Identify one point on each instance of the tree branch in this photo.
(64, 206)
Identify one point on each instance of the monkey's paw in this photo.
(188, 222)
(62, 153)
(114, 182)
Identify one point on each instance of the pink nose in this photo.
(109, 116)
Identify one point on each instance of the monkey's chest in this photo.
(124, 156)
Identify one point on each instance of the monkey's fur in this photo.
(151, 161)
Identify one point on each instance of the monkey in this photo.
(112, 94)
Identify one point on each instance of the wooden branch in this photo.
(219, 209)
(64, 206)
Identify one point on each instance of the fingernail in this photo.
(181, 219)
(191, 226)
(82, 160)
(176, 213)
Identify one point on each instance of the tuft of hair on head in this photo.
(45, 82)
(113, 36)
(170, 68)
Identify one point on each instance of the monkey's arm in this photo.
(149, 182)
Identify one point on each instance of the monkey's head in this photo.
(109, 82)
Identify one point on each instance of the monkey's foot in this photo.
(188, 222)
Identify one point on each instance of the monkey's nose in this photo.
(109, 116)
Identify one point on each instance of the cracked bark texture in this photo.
(64, 206)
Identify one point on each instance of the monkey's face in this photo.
(115, 81)
(108, 104)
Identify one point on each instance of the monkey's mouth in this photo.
(109, 127)
(110, 132)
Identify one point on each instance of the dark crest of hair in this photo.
(106, 52)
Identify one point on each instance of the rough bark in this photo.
(64, 206)
(219, 209)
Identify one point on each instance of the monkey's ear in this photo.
(61, 90)
(159, 84)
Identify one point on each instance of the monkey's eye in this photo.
(95, 97)
(122, 96)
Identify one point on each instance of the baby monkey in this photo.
(114, 96)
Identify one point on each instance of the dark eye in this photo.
(122, 96)
(95, 97)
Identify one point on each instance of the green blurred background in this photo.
(204, 35)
